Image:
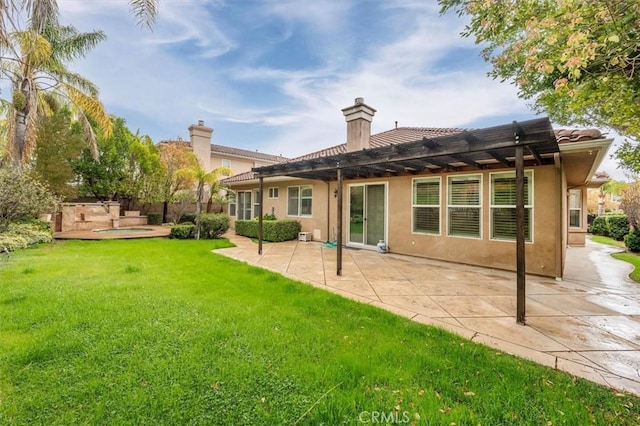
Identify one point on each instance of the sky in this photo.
(273, 75)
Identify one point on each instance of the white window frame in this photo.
(578, 209)
(478, 206)
(255, 211)
(274, 192)
(528, 204)
(299, 199)
(226, 163)
(239, 205)
(415, 205)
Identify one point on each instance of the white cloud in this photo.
(207, 60)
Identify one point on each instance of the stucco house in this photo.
(441, 193)
(212, 156)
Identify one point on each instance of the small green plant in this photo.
(269, 216)
(618, 226)
(25, 234)
(182, 232)
(614, 226)
(154, 218)
(632, 241)
(213, 225)
(188, 218)
(599, 226)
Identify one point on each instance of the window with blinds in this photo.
(256, 203)
(503, 205)
(464, 205)
(575, 208)
(299, 200)
(426, 205)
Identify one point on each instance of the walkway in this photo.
(587, 325)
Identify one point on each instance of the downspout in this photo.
(559, 270)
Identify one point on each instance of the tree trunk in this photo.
(165, 211)
(19, 138)
(199, 209)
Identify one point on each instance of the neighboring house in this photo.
(445, 194)
(212, 156)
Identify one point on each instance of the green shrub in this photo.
(599, 226)
(213, 225)
(182, 231)
(614, 226)
(247, 228)
(273, 230)
(154, 218)
(632, 241)
(269, 216)
(25, 234)
(187, 218)
(618, 226)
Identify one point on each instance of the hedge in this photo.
(632, 241)
(614, 226)
(213, 225)
(272, 230)
(182, 232)
(154, 218)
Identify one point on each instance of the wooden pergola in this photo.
(506, 146)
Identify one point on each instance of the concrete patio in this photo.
(587, 325)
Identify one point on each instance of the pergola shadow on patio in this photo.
(489, 148)
(585, 325)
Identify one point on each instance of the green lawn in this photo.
(627, 256)
(166, 332)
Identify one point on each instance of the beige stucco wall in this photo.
(238, 165)
(542, 255)
(316, 223)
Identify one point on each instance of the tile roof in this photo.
(577, 135)
(247, 153)
(238, 152)
(409, 134)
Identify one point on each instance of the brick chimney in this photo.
(200, 137)
(358, 119)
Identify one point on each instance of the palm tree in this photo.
(203, 179)
(38, 75)
(34, 60)
(44, 12)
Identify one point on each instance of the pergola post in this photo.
(339, 224)
(260, 214)
(520, 235)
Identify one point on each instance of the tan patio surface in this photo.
(587, 325)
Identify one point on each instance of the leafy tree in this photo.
(126, 170)
(22, 197)
(60, 142)
(174, 157)
(577, 60)
(630, 204)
